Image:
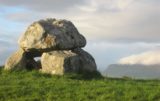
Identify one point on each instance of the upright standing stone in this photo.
(21, 60)
(87, 62)
(60, 62)
(17, 61)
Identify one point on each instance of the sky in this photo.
(115, 30)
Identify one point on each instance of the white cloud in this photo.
(43, 5)
(112, 20)
(106, 53)
(7, 48)
(146, 58)
(122, 4)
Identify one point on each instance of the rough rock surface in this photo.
(51, 34)
(16, 61)
(60, 62)
(58, 43)
(87, 61)
(21, 60)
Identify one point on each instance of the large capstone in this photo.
(51, 34)
(60, 62)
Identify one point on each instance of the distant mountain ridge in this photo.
(137, 71)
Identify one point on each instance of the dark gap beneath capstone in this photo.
(33, 63)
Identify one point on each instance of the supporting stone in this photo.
(60, 62)
(17, 61)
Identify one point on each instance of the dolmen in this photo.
(57, 43)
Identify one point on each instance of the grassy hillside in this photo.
(34, 86)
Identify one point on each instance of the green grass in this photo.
(34, 86)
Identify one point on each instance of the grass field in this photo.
(34, 86)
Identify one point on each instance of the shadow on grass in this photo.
(79, 76)
(1, 69)
(85, 76)
(126, 79)
(75, 76)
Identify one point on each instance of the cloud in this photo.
(7, 48)
(112, 20)
(43, 6)
(146, 58)
(105, 5)
(106, 53)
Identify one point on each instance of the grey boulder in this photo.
(51, 34)
(21, 60)
(17, 61)
(87, 62)
(60, 62)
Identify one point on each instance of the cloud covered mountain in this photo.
(137, 71)
(145, 65)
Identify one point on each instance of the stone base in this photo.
(60, 62)
(21, 60)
